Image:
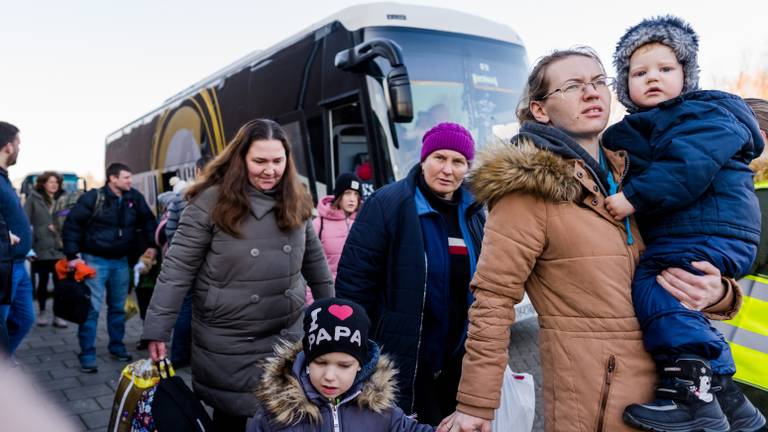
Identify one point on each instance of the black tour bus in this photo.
(361, 86)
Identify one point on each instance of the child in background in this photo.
(335, 215)
(691, 186)
(334, 379)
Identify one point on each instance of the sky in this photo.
(73, 72)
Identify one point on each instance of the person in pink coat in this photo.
(336, 213)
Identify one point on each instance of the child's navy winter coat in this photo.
(689, 167)
(289, 402)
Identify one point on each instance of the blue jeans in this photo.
(19, 316)
(182, 332)
(112, 277)
(670, 329)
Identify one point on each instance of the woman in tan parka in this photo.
(548, 234)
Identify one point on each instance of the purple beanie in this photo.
(448, 136)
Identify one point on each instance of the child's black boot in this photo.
(742, 415)
(683, 402)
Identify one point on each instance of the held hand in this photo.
(694, 292)
(460, 422)
(14, 239)
(51, 228)
(618, 206)
(156, 350)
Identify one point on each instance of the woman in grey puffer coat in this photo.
(242, 246)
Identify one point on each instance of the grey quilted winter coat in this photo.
(248, 293)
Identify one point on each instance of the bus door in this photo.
(350, 150)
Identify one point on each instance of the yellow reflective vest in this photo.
(747, 332)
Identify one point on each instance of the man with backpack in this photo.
(104, 227)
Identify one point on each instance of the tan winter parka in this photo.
(549, 234)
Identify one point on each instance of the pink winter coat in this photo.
(332, 227)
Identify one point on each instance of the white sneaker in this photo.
(59, 323)
(42, 319)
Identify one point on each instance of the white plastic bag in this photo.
(518, 403)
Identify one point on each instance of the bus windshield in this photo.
(473, 81)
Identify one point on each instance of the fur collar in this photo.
(522, 167)
(286, 402)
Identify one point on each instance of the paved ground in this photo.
(49, 355)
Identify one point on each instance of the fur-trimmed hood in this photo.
(540, 160)
(287, 396)
(522, 167)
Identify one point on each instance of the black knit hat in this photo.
(346, 181)
(336, 325)
(668, 30)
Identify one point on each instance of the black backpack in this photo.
(176, 409)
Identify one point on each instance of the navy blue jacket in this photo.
(383, 267)
(6, 264)
(15, 218)
(689, 166)
(114, 231)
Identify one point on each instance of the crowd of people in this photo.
(392, 312)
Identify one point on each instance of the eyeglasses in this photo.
(573, 87)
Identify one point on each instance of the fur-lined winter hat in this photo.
(667, 30)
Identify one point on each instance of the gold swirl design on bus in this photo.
(199, 114)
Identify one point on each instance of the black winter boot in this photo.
(683, 401)
(742, 415)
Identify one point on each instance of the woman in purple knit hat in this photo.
(408, 261)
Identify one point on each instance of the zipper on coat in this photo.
(421, 327)
(609, 370)
(335, 413)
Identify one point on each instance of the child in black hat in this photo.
(334, 379)
(335, 215)
(689, 182)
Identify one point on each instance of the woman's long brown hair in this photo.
(229, 171)
(42, 179)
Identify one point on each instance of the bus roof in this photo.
(383, 14)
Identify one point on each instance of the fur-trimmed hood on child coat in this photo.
(289, 402)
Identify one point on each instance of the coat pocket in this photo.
(211, 300)
(610, 369)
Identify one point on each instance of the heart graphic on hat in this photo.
(341, 312)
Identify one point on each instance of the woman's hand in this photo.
(460, 422)
(694, 292)
(156, 350)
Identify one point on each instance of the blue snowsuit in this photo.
(690, 183)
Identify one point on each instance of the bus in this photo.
(359, 87)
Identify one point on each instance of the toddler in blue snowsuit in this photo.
(689, 182)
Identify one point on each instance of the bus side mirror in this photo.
(399, 85)
(400, 99)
